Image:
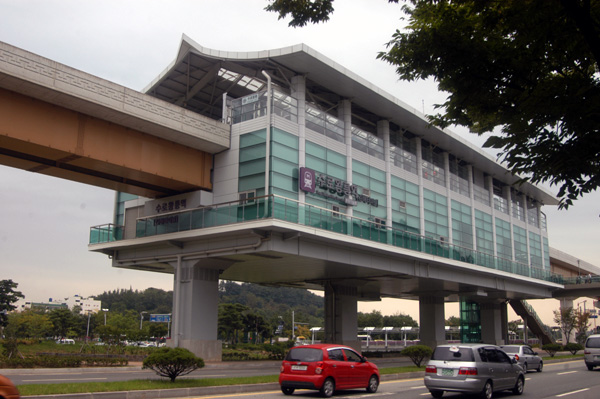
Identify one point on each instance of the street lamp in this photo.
(142, 317)
(105, 311)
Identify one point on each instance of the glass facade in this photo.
(436, 215)
(405, 206)
(372, 181)
(462, 225)
(403, 152)
(433, 164)
(252, 162)
(503, 239)
(437, 220)
(484, 232)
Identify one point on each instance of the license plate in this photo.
(448, 372)
(299, 368)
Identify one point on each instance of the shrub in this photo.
(172, 362)
(552, 349)
(573, 347)
(417, 353)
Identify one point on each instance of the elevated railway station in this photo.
(283, 168)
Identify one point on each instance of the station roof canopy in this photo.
(198, 78)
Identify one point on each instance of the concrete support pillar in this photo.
(432, 322)
(504, 316)
(491, 323)
(566, 303)
(195, 311)
(341, 318)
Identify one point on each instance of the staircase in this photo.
(525, 310)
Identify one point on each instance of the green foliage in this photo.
(566, 318)
(573, 348)
(552, 348)
(417, 353)
(68, 361)
(151, 300)
(302, 12)
(172, 362)
(8, 296)
(524, 71)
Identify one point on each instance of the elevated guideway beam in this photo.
(65, 123)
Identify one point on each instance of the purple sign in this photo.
(307, 180)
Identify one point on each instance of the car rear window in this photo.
(304, 355)
(510, 349)
(593, 343)
(453, 353)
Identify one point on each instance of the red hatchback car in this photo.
(8, 389)
(326, 367)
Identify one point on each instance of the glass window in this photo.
(453, 354)
(403, 152)
(433, 164)
(459, 176)
(436, 215)
(462, 227)
(336, 354)
(518, 209)
(352, 356)
(520, 242)
(484, 232)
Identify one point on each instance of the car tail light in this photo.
(586, 352)
(431, 369)
(282, 368)
(467, 371)
(517, 357)
(319, 368)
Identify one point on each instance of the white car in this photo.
(527, 358)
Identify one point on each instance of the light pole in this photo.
(87, 334)
(105, 311)
(142, 317)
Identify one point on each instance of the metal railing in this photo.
(282, 208)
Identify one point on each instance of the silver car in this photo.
(527, 358)
(591, 351)
(473, 369)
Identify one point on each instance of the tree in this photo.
(582, 323)
(8, 296)
(172, 362)
(525, 71)
(417, 353)
(453, 321)
(566, 318)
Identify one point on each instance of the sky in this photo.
(45, 221)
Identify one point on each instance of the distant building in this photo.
(86, 304)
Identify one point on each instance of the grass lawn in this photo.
(55, 389)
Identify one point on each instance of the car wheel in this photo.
(590, 368)
(487, 391)
(540, 367)
(287, 391)
(518, 389)
(373, 384)
(328, 388)
(436, 394)
(525, 368)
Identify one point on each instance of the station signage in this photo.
(329, 187)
